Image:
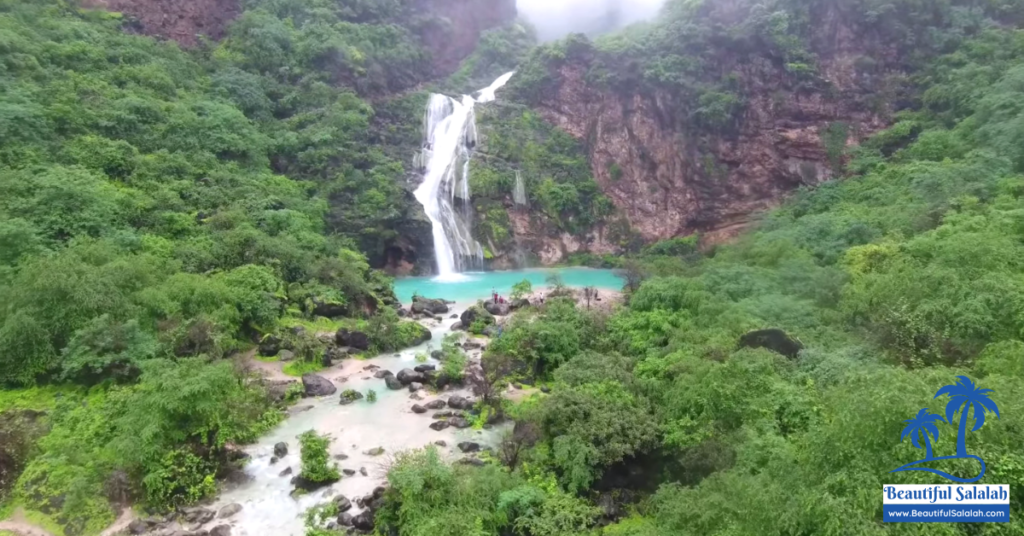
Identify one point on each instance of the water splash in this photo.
(519, 194)
(449, 139)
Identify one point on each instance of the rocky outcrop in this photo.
(421, 305)
(669, 178)
(317, 385)
(474, 314)
(452, 33)
(775, 340)
(184, 21)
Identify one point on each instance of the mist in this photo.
(554, 19)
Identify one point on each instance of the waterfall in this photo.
(519, 194)
(449, 130)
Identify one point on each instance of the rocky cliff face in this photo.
(184, 21)
(670, 180)
(453, 28)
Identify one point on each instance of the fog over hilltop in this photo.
(557, 18)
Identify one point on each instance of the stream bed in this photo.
(267, 505)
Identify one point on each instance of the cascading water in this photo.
(519, 193)
(450, 136)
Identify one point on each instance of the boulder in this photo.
(775, 340)
(457, 326)
(285, 356)
(298, 331)
(459, 422)
(439, 425)
(317, 385)
(470, 460)
(422, 334)
(362, 471)
(341, 456)
(498, 309)
(329, 308)
(382, 373)
(428, 306)
(375, 451)
(407, 376)
(520, 303)
(229, 510)
(352, 339)
(492, 331)
(345, 519)
(270, 345)
(473, 344)
(441, 443)
(221, 530)
(274, 459)
(424, 368)
(475, 313)
(415, 386)
(363, 521)
(469, 446)
(418, 409)
(393, 383)
(334, 354)
(458, 402)
(349, 472)
(402, 312)
(349, 396)
(287, 471)
(435, 404)
(445, 415)
(343, 503)
(198, 516)
(281, 449)
(454, 316)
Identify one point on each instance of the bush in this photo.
(316, 466)
(371, 396)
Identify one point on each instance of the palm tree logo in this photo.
(967, 400)
(923, 425)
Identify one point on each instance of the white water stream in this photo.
(268, 508)
(450, 136)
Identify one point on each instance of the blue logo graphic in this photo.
(964, 398)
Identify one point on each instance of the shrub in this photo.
(316, 466)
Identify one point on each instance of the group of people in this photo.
(496, 298)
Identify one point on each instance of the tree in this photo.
(634, 275)
(521, 289)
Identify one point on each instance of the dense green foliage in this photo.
(560, 192)
(161, 210)
(895, 280)
(316, 465)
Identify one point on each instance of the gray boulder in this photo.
(229, 510)
(458, 402)
(415, 386)
(221, 530)
(318, 385)
(393, 383)
(435, 404)
(418, 409)
(352, 339)
(475, 313)
(424, 368)
(498, 309)
(343, 503)
(469, 446)
(459, 422)
(407, 376)
(286, 355)
(439, 425)
(281, 449)
(428, 306)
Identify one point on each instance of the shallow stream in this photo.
(268, 508)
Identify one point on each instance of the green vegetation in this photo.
(895, 280)
(161, 211)
(521, 289)
(559, 184)
(316, 465)
(371, 396)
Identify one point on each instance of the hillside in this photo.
(816, 207)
